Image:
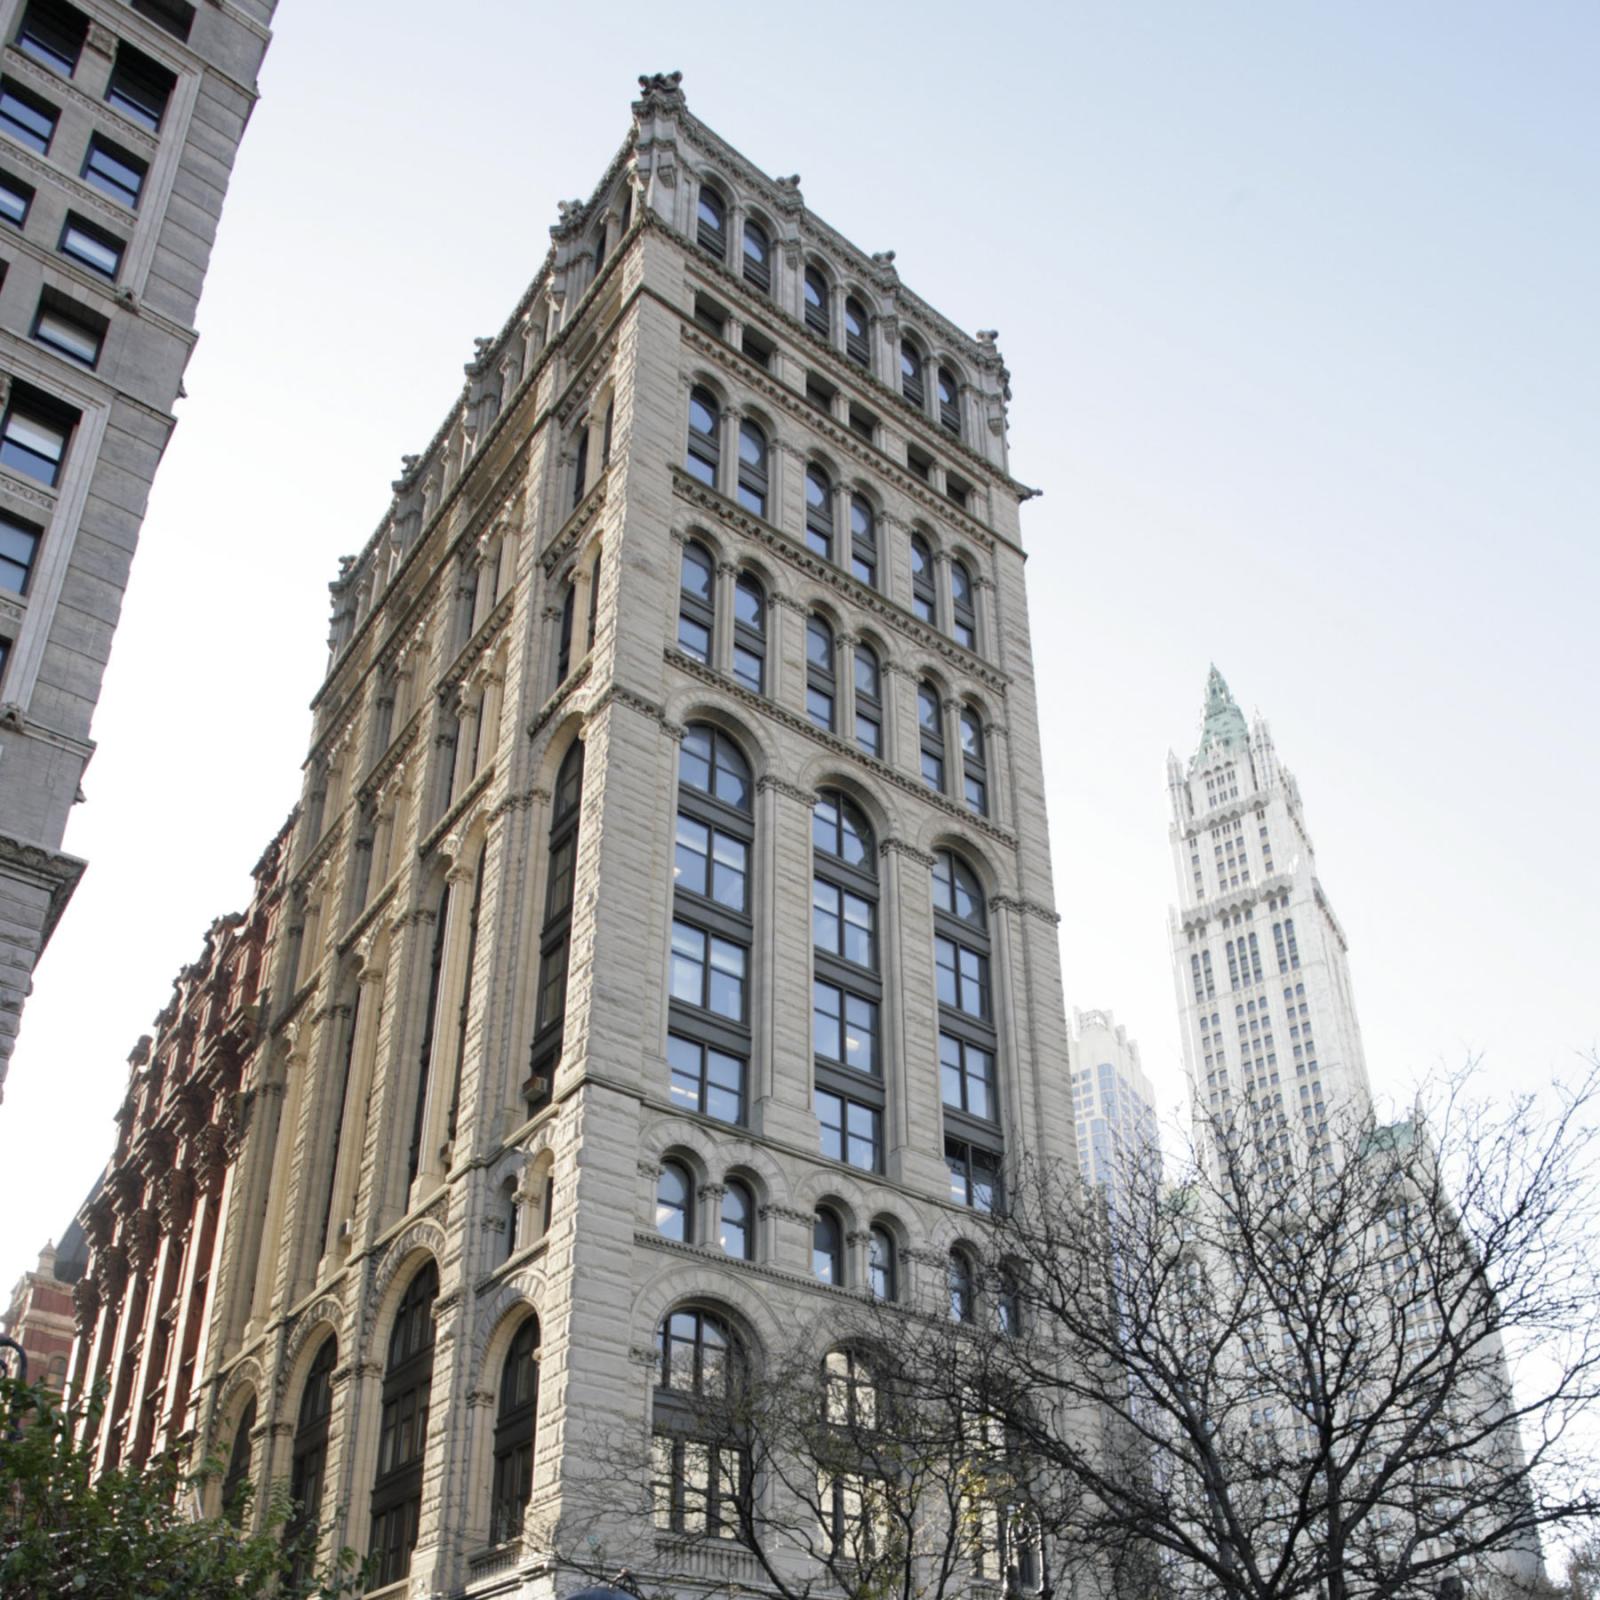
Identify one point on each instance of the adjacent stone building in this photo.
(118, 128)
(151, 1223)
(1115, 1104)
(667, 952)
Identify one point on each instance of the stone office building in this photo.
(118, 128)
(668, 951)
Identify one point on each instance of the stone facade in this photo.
(118, 128)
(710, 582)
(152, 1221)
(40, 1319)
(1271, 1039)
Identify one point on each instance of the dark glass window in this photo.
(28, 119)
(869, 701)
(737, 1231)
(963, 1291)
(968, 1043)
(697, 1488)
(113, 171)
(711, 316)
(924, 596)
(403, 1430)
(15, 198)
(308, 1466)
(236, 1480)
(949, 401)
(514, 1427)
(930, 734)
(569, 621)
(696, 602)
(140, 88)
(851, 1130)
(68, 328)
(816, 313)
(52, 34)
(712, 930)
(881, 1264)
(974, 765)
(176, 16)
(821, 688)
(675, 1203)
(963, 613)
(827, 1248)
(757, 256)
(92, 247)
(555, 936)
(856, 338)
(750, 633)
(752, 468)
(974, 1174)
(19, 544)
(819, 512)
(705, 441)
(863, 541)
(580, 463)
(911, 385)
(34, 435)
(711, 223)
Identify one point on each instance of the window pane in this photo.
(735, 1233)
(724, 1086)
(862, 1149)
(827, 1021)
(861, 1033)
(726, 993)
(830, 1115)
(95, 251)
(728, 872)
(691, 863)
(869, 735)
(825, 919)
(747, 605)
(819, 707)
(748, 668)
(858, 931)
(694, 639)
(697, 575)
(688, 964)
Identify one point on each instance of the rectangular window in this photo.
(851, 1130)
(920, 462)
(706, 1079)
(844, 1027)
(963, 976)
(759, 350)
(72, 329)
(176, 16)
(863, 423)
(114, 171)
(34, 434)
(15, 198)
(139, 87)
(92, 247)
(820, 393)
(5, 652)
(52, 34)
(966, 1076)
(708, 972)
(711, 864)
(974, 1175)
(25, 117)
(842, 924)
(711, 316)
(19, 544)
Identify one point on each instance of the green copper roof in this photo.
(1224, 725)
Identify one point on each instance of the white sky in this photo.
(1300, 309)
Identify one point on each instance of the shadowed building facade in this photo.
(667, 951)
(118, 129)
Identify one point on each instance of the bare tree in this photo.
(1354, 1375)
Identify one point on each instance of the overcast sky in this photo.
(1300, 307)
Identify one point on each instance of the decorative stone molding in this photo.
(900, 847)
(1030, 908)
(634, 702)
(805, 797)
(787, 1213)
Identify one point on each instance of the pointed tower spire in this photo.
(1224, 724)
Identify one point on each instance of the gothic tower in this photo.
(1270, 1036)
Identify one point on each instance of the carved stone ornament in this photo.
(659, 91)
(85, 1305)
(111, 1272)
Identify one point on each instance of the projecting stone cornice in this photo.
(477, 645)
(1027, 908)
(57, 874)
(571, 532)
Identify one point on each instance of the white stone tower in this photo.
(1270, 1037)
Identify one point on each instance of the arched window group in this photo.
(677, 1210)
(708, 1043)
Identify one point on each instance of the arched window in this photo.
(750, 633)
(949, 401)
(846, 988)
(757, 256)
(816, 290)
(863, 541)
(696, 601)
(819, 513)
(963, 1292)
(911, 385)
(737, 1230)
(599, 247)
(705, 437)
(821, 686)
(708, 1043)
(675, 1203)
(974, 767)
(236, 1480)
(403, 1430)
(310, 1459)
(869, 701)
(882, 1266)
(752, 468)
(827, 1248)
(711, 223)
(924, 596)
(963, 614)
(425, 1064)
(511, 1216)
(857, 341)
(930, 735)
(594, 599)
(967, 1037)
(555, 938)
(514, 1426)
(569, 610)
(698, 1487)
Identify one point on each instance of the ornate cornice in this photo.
(567, 688)
(477, 645)
(570, 533)
(793, 791)
(634, 701)
(1028, 908)
(900, 847)
(57, 874)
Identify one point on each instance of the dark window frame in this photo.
(134, 74)
(52, 35)
(868, 702)
(104, 179)
(949, 404)
(711, 231)
(697, 613)
(963, 607)
(19, 549)
(817, 297)
(23, 193)
(555, 934)
(924, 583)
(756, 268)
(913, 376)
(930, 736)
(863, 541)
(819, 512)
(974, 762)
(703, 453)
(755, 478)
(822, 677)
(857, 340)
(92, 231)
(17, 98)
(309, 1457)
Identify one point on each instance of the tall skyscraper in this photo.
(1115, 1104)
(118, 128)
(1270, 1036)
(666, 951)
